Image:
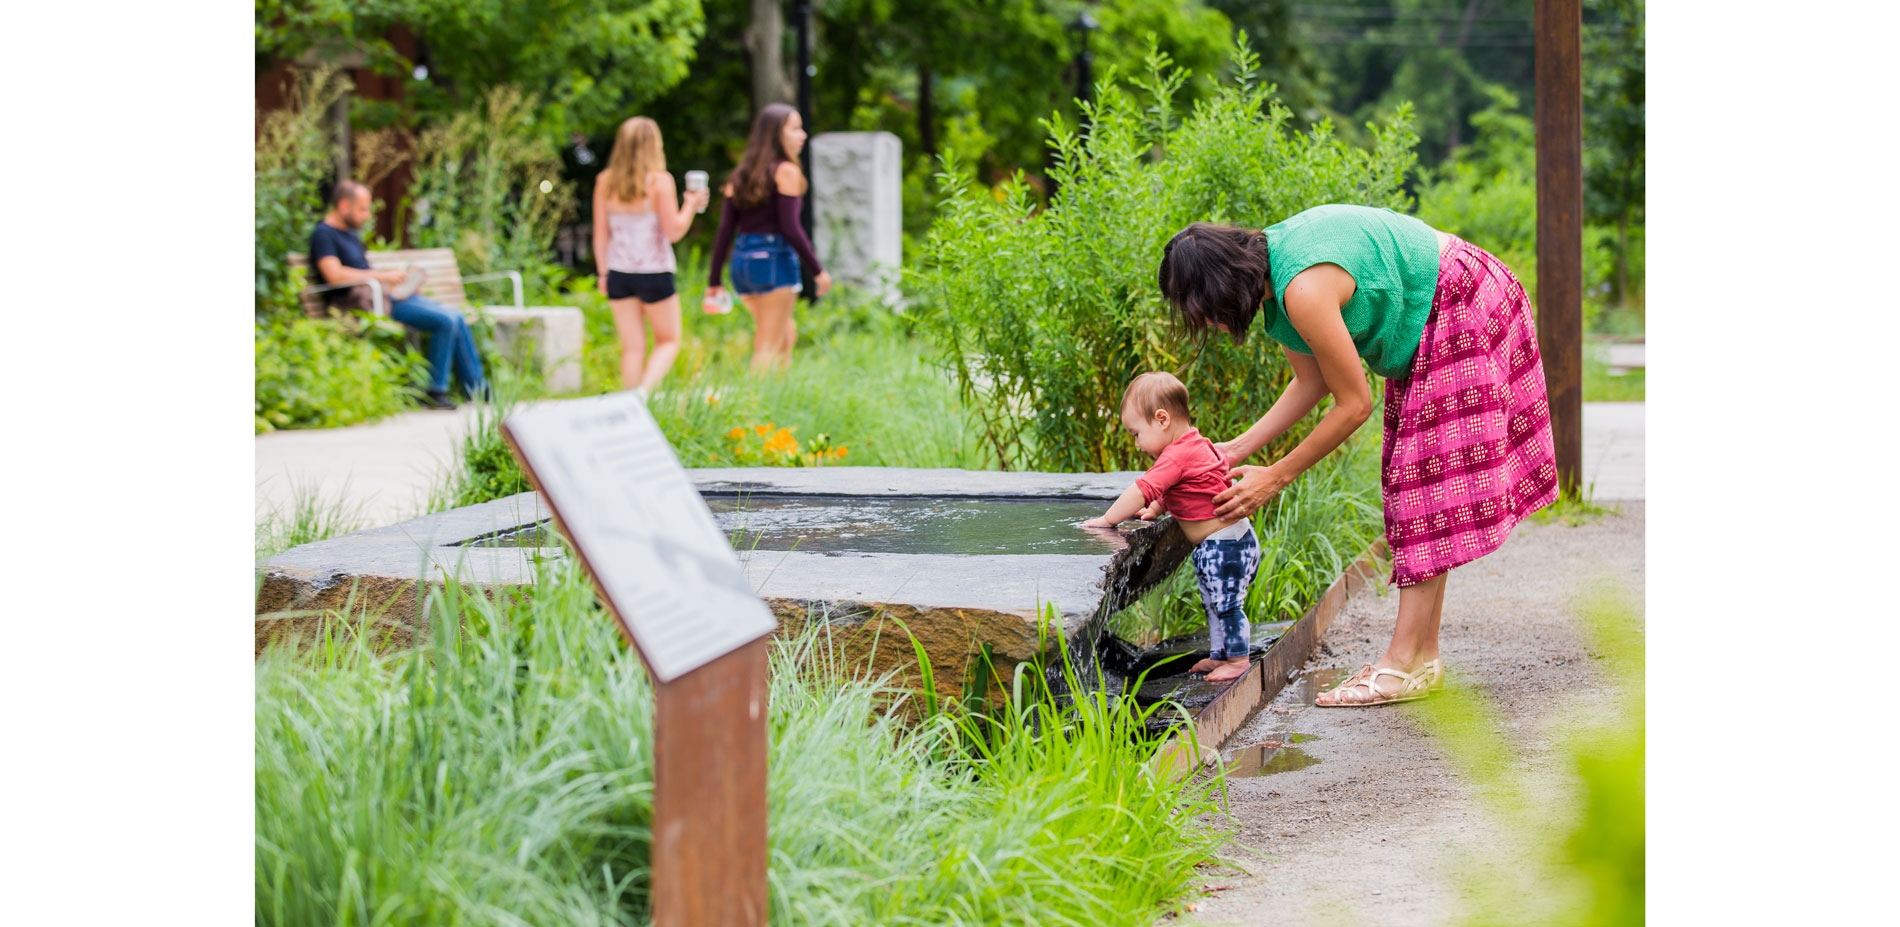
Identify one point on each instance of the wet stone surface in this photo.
(913, 525)
(894, 525)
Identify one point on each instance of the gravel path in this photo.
(1366, 822)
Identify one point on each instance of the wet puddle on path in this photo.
(1278, 751)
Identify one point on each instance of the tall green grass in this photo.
(501, 774)
(859, 380)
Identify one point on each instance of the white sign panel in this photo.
(644, 533)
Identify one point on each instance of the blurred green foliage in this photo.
(326, 373)
(1043, 315)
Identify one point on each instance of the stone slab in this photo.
(871, 602)
(554, 335)
(1613, 438)
(900, 481)
(857, 181)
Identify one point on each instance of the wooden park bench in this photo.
(555, 333)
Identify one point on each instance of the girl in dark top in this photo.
(758, 227)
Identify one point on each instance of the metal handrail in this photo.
(512, 275)
(377, 304)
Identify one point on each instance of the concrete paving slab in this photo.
(383, 470)
(1613, 451)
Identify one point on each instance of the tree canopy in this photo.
(587, 62)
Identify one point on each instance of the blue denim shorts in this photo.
(763, 263)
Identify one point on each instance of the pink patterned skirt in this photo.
(1467, 451)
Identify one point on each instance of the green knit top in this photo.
(1393, 260)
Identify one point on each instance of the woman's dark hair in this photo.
(1215, 274)
(752, 181)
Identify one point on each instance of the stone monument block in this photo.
(550, 337)
(857, 183)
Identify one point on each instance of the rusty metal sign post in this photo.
(668, 574)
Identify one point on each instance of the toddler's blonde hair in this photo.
(1157, 390)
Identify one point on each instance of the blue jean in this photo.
(763, 263)
(450, 342)
(1225, 568)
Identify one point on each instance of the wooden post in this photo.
(709, 794)
(1559, 60)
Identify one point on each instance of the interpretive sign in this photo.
(643, 533)
(637, 524)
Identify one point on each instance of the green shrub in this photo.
(291, 164)
(502, 774)
(486, 185)
(487, 468)
(1044, 316)
(325, 373)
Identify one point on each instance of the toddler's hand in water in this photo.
(1097, 523)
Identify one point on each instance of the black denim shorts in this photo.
(647, 288)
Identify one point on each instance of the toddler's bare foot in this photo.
(1205, 666)
(1228, 669)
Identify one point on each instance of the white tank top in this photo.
(635, 244)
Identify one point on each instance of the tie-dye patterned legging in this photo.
(1225, 569)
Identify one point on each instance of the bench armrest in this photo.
(512, 275)
(375, 293)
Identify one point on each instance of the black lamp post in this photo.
(1084, 72)
(801, 15)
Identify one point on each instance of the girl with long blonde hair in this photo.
(638, 215)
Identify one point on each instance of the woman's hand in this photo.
(1257, 487)
(824, 282)
(711, 304)
(602, 284)
(1230, 452)
(696, 200)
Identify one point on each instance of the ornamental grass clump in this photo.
(501, 773)
(1044, 314)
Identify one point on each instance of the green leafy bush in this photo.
(1044, 315)
(488, 186)
(291, 164)
(325, 373)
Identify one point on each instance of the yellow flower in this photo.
(735, 434)
(837, 451)
(762, 429)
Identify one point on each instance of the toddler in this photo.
(1188, 472)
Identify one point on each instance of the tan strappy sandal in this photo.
(1435, 672)
(1412, 687)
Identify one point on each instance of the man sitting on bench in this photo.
(337, 254)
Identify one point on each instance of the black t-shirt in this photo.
(327, 240)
